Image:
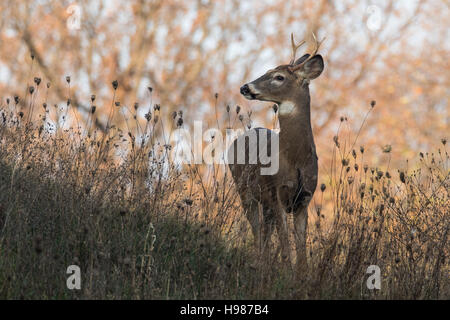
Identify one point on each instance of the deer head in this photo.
(286, 83)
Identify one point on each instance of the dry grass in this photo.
(141, 228)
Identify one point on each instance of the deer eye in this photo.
(279, 78)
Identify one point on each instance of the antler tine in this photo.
(313, 53)
(317, 44)
(295, 47)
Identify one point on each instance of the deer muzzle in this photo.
(247, 92)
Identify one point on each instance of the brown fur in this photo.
(267, 199)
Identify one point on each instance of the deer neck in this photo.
(296, 136)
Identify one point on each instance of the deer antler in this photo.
(295, 47)
(316, 48)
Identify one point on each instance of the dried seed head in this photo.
(136, 105)
(444, 141)
(156, 107)
(238, 109)
(180, 122)
(148, 116)
(323, 187)
(117, 103)
(16, 99)
(48, 85)
(68, 79)
(44, 105)
(354, 154)
(241, 117)
(345, 162)
(7, 100)
(93, 98)
(379, 174)
(37, 81)
(350, 210)
(228, 108)
(68, 102)
(402, 177)
(150, 89)
(115, 84)
(216, 95)
(275, 108)
(174, 115)
(372, 103)
(387, 148)
(93, 108)
(31, 89)
(336, 141)
(361, 149)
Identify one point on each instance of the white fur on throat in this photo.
(287, 108)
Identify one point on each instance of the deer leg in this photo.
(282, 230)
(266, 231)
(300, 226)
(284, 206)
(253, 217)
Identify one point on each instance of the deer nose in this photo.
(245, 89)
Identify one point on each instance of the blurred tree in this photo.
(394, 52)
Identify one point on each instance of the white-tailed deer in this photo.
(292, 187)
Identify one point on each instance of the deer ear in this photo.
(312, 68)
(301, 59)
